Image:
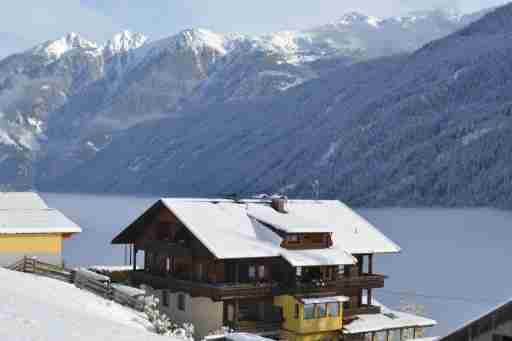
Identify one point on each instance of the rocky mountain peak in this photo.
(124, 42)
(54, 49)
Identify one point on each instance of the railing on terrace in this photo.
(217, 292)
(370, 281)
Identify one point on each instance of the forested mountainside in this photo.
(428, 128)
(202, 113)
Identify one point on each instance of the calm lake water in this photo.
(456, 263)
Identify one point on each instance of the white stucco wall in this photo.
(205, 314)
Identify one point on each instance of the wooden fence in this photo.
(84, 279)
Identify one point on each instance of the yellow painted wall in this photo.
(31, 243)
(310, 330)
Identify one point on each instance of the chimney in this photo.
(279, 204)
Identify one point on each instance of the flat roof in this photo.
(319, 300)
(387, 319)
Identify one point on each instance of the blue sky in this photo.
(34, 21)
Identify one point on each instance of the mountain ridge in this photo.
(428, 128)
(74, 102)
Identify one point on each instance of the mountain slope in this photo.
(430, 128)
(63, 101)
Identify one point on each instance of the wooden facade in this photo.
(176, 261)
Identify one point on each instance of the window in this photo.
(181, 302)
(333, 309)
(346, 305)
(252, 272)
(321, 310)
(165, 298)
(309, 311)
(168, 264)
(199, 271)
(296, 313)
(261, 271)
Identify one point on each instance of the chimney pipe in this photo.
(279, 204)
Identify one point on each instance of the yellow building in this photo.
(28, 227)
(311, 319)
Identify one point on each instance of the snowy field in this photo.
(454, 261)
(41, 309)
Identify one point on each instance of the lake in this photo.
(455, 262)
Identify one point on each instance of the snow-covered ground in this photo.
(35, 308)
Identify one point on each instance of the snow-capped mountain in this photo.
(429, 128)
(63, 101)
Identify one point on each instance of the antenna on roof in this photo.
(315, 185)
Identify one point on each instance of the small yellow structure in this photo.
(28, 227)
(311, 319)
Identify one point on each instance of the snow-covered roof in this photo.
(352, 232)
(387, 319)
(319, 300)
(287, 222)
(21, 200)
(236, 229)
(27, 213)
(226, 223)
(491, 311)
(35, 221)
(332, 256)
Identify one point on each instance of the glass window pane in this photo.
(252, 272)
(309, 312)
(333, 309)
(181, 302)
(321, 310)
(261, 272)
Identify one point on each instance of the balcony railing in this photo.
(367, 281)
(165, 247)
(224, 291)
(217, 292)
(262, 328)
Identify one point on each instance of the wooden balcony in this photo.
(268, 329)
(217, 292)
(166, 248)
(365, 281)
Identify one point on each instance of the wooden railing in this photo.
(260, 328)
(372, 281)
(217, 292)
(32, 265)
(167, 248)
(223, 291)
(95, 283)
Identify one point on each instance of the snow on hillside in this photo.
(43, 309)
